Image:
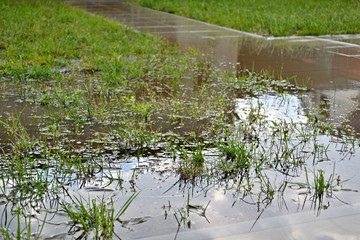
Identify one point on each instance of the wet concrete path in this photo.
(328, 65)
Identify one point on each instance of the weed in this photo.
(182, 215)
(23, 228)
(96, 216)
(321, 187)
(191, 163)
(20, 140)
(238, 154)
(91, 215)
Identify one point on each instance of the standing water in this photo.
(294, 173)
(328, 65)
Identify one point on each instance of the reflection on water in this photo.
(273, 107)
(328, 65)
(330, 69)
(164, 195)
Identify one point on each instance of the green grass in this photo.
(42, 37)
(269, 18)
(101, 94)
(95, 215)
(238, 156)
(109, 66)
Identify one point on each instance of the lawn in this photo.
(269, 18)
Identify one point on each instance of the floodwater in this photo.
(327, 65)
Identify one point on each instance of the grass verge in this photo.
(269, 18)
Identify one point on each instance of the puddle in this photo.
(273, 107)
(17, 110)
(325, 64)
(165, 197)
(290, 150)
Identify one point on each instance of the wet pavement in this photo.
(328, 65)
(340, 223)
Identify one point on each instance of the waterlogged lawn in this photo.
(269, 18)
(107, 133)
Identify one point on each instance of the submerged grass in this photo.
(95, 217)
(269, 18)
(104, 96)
